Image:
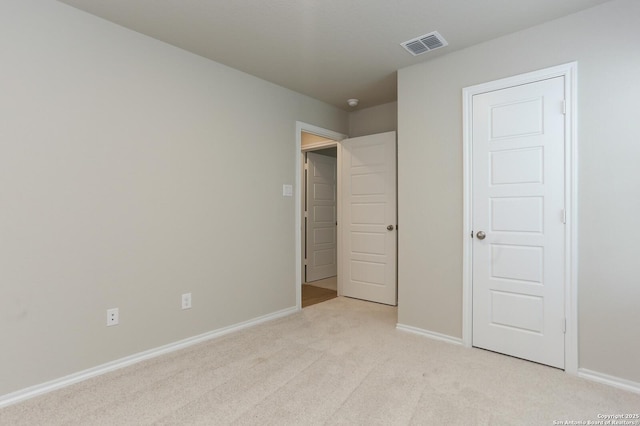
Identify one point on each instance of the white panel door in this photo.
(518, 207)
(321, 217)
(369, 218)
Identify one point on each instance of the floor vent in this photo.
(424, 43)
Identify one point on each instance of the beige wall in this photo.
(377, 119)
(604, 40)
(132, 172)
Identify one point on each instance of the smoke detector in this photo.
(352, 102)
(424, 43)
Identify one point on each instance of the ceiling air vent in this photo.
(424, 43)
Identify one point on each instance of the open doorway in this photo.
(366, 243)
(320, 268)
(318, 192)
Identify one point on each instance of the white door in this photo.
(369, 238)
(518, 210)
(321, 217)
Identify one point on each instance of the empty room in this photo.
(336, 212)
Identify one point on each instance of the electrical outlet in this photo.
(186, 301)
(113, 317)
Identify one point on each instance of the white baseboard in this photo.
(614, 381)
(55, 384)
(429, 334)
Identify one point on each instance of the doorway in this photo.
(318, 261)
(366, 213)
(320, 270)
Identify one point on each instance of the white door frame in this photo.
(299, 201)
(569, 72)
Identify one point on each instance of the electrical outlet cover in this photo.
(113, 317)
(186, 301)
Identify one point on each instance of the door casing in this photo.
(569, 72)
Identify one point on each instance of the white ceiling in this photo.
(330, 50)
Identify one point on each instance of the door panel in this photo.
(369, 200)
(513, 166)
(517, 214)
(321, 217)
(518, 201)
(518, 311)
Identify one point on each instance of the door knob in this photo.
(481, 235)
(390, 228)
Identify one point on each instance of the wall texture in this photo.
(132, 172)
(604, 41)
(377, 119)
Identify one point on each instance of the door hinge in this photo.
(564, 216)
(564, 106)
(564, 325)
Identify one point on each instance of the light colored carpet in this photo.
(338, 362)
(330, 283)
